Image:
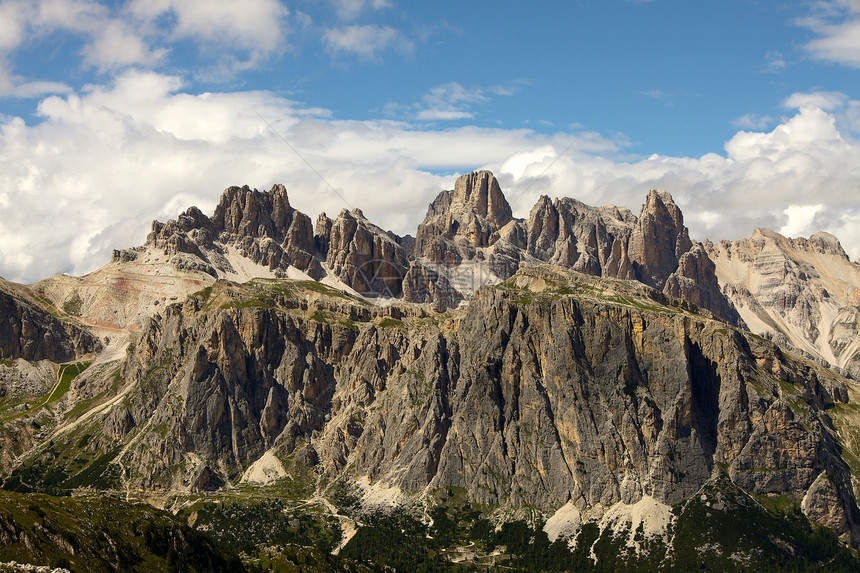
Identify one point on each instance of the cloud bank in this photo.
(837, 25)
(104, 161)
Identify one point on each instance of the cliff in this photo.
(551, 388)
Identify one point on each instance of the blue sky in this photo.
(115, 113)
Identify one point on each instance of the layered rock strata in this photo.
(469, 238)
(552, 387)
(802, 293)
(29, 331)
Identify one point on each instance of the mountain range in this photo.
(597, 374)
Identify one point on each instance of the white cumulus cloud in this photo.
(252, 25)
(103, 162)
(837, 24)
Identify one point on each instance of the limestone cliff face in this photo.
(469, 216)
(573, 235)
(262, 227)
(30, 332)
(551, 387)
(245, 380)
(803, 293)
(362, 255)
(471, 227)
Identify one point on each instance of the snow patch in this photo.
(266, 470)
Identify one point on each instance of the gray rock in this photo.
(801, 293)
(30, 332)
(546, 390)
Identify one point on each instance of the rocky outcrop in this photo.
(573, 235)
(468, 217)
(265, 229)
(365, 257)
(257, 220)
(695, 280)
(472, 225)
(30, 332)
(659, 239)
(262, 227)
(543, 392)
(802, 293)
(468, 239)
(427, 283)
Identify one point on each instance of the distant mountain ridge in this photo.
(585, 365)
(802, 293)
(469, 238)
(468, 230)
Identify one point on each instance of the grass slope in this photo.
(96, 533)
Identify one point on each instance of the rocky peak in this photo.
(823, 243)
(261, 226)
(250, 213)
(827, 244)
(659, 239)
(362, 255)
(480, 193)
(473, 224)
(543, 230)
(470, 216)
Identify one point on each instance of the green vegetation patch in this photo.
(846, 419)
(46, 304)
(250, 302)
(68, 372)
(73, 305)
(245, 525)
(61, 467)
(82, 406)
(323, 289)
(390, 323)
(642, 304)
(101, 534)
(65, 375)
(722, 528)
(461, 540)
(203, 294)
(555, 284)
